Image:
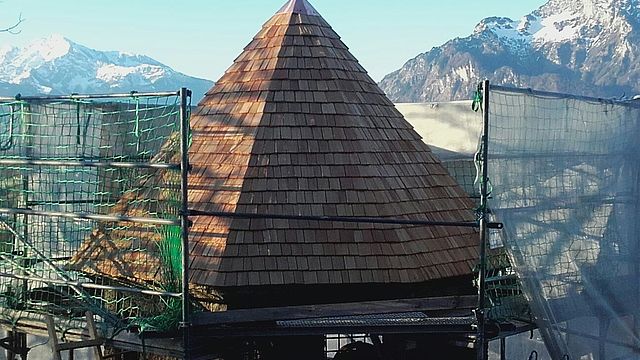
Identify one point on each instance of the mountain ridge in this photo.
(587, 47)
(58, 66)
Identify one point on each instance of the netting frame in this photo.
(545, 331)
(184, 96)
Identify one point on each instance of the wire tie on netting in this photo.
(136, 129)
(9, 144)
(480, 210)
(85, 132)
(482, 181)
(477, 162)
(137, 126)
(77, 121)
(476, 105)
(190, 132)
(23, 120)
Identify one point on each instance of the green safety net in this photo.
(62, 162)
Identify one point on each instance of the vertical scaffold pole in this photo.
(184, 214)
(482, 345)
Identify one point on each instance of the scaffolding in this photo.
(564, 171)
(84, 175)
(563, 180)
(88, 175)
(81, 172)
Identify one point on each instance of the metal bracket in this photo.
(15, 345)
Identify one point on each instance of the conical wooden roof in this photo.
(296, 126)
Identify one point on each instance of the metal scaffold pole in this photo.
(184, 214)
(482, 343)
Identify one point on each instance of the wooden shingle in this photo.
(296, 126)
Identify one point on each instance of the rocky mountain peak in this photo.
(49, 48)
(585, 46)
(604, 11)
(587, 7)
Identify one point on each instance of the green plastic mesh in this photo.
(79, 158)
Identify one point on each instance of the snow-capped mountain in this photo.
(590, 47)
(56, 65)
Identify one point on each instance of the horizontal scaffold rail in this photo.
(234, 215)
(555, 154)
(349, 219)
(83, 163)
(550, 94)
(90, 96)
(91, 285)
(86, 216)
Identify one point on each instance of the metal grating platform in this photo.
(398, 319)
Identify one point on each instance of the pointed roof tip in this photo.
(298, 7)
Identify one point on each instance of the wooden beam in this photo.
(37, 325)
(335, 310)
(171, 346)
(79, 345)
(53, 338)
(125, 341)
(94, 341)
(93, 334)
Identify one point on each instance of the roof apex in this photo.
(298, 7)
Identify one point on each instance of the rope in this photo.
(479, 180)
(476, 105)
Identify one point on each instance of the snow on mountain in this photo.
(586, 46)
(534, 29)
(114, 74)
(57, 65)
(4, 51)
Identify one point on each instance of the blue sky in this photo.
(203, 37)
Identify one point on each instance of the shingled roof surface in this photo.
(296, 126)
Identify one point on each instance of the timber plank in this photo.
(334, 310)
